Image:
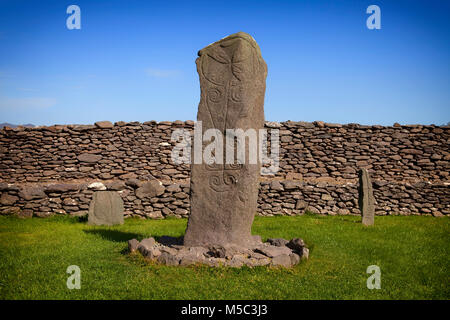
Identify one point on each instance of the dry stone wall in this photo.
(55, 170)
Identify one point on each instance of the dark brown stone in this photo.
(116, 185)
(272, 251)
(278, 242)
(132, 245)
(27, 213)
(30, 193)
(61, 187)
(224, 197)
(296, 245)
(150, 189)
(104, 124)
(7, 199)
(89, 157)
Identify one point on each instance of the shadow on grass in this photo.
(350, 219)
(83, 218)
(115, 235)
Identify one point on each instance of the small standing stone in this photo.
(106, 208)
(366, 200)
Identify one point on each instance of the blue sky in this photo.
(135, 60)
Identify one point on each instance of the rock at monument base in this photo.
(295, 258)
(149, 248)
(106, 208)
(191, 260)
(278, 242)
(192, 255)
(132, 245)
(296, 244)
(169, 241)
(104, 124)
(305, 253)
(168, 259)
(273, 251)
(171, 253)
(283, 260)
(366, 199)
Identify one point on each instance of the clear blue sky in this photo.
(135, 60)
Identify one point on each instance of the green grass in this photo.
(412, 252)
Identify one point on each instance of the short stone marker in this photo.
(366, 200)
(106, 208)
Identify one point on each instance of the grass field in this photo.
(412, 252)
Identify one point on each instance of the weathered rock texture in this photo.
(409, 167)
(366, 200)
(168, 251)
(224, 196)
(106, 208)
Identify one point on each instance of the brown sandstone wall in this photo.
(319, 163)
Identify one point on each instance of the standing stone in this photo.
(224, 196)
(366, 200)
(106, 208)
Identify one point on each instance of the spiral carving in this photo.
(234, 166)
(214, 95)
(236, 94)
(229, 179)
(215, 182)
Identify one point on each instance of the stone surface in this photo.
(296, 244)
(132, 245)
(283, 260)
(106, 208)
(391, 199)
(150, 189)
(403, 182)
(89, 157)
(295, 258)
(168, 259)
(272, 251)
(14, 211)
(172, 253)
(116, 185)
(366, 200)
(97, 186)
(224, 196)
(149, 248)
(61, 187)
(31, 193)
(104, 124)
(305, 253)
(7, 199)
(278, 242)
